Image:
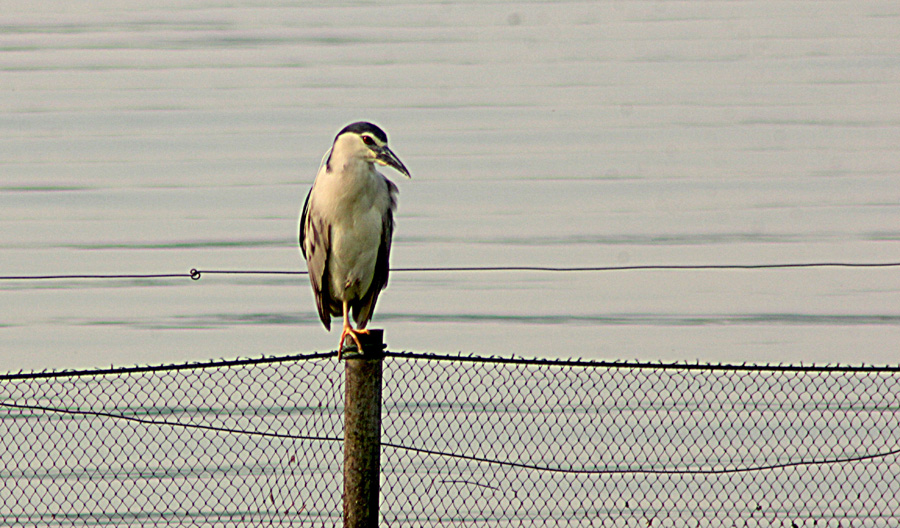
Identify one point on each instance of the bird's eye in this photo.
(368, 140)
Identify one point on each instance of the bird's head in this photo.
(370, 142)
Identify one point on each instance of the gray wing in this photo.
(315, 244)
(303, 223)
(362, 309)
(324, 162)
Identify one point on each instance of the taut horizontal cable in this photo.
(196, 274)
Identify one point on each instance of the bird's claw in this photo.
(348, 331)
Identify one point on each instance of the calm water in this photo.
(154, 138)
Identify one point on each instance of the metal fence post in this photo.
(362, 432)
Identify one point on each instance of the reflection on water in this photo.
(143, 139)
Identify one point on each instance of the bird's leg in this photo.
(349, 331)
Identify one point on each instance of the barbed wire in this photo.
(193, 365)
(461, 358)
(196, 274)
(654, 365)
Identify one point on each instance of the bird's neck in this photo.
(352, 169)
(349, 183)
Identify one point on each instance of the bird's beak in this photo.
(385, 156)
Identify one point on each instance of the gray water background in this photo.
(158, 137)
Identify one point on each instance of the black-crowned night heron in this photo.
(346, 227)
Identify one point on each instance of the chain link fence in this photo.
(465, 442)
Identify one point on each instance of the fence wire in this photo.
(465, 442)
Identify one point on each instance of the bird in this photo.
(347, 225)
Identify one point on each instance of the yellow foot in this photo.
(348, 331)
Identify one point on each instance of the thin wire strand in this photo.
(97, 276)
(493, 461)
(196, 274)
(712, 471)
(164, 422)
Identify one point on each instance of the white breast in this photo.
(353, 201)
